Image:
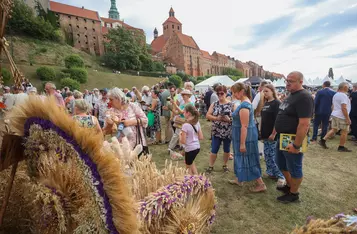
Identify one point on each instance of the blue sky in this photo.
(282, 35)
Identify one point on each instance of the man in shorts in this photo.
(294, 117)
(340, 117)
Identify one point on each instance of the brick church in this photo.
(175, 47)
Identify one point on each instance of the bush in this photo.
(73, 60)
(176, 80)
(78, 74)
(72, 84)
(62, 75)
(6, 76)
(46, 73)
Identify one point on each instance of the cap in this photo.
(186, 91)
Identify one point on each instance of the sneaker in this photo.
(289, 198)
(343, 149)
(225, 169)
(209, 170)
(322, 142)
(285, 189)
(281, 183)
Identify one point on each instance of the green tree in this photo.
(176, 80)
(46, 73)
(158, 66)
(24, 21)
(330, 73)
(72, 84)
(123, 50)
(232, 72)
(78, 74)
(73, 60)
(6, 76)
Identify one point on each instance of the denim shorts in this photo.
(289, 162)
(216, 144)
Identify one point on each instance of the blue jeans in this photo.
(269, 155)
(216, 144)
(320, 119)
(289, 162)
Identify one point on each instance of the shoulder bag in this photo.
(139, 138)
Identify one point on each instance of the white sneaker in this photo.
(281, 183)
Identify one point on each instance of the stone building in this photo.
(179, 49)
(82, 27)
(113, 12)
(257, 70)
(244, 68)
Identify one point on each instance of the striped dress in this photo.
(246, 165)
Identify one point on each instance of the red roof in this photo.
(187, 40)
(158, 44)
(172, 19)
(75, 11)
(205, 54)
(111, 21)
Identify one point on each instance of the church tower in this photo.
(113, 12)
(171, 25)
(156, 33)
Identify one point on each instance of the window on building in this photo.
(93, 21)
(86, 42)
(173, 26)
(85, 21)
(78, 35)
(76, 18)
(93, 29)
(178, 27)
(94, 44)
(77, 26)
(94, 38)
(57, 14)
(79, 42)
(86, 36)
(70, 25)
(69, 17)
(85, 28)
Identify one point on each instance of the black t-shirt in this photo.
(353, 104)
(269, 114)
(297, 105)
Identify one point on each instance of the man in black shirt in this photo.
(353, 113)
(293, 118)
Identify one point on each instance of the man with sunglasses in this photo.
(294, 116)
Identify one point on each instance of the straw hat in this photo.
(186, 91)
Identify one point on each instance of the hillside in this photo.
(26, 51)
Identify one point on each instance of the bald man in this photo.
(294, 116)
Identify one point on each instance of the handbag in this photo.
(139, 139)
(151, 119)
(178, 122)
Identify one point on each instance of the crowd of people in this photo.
(247, 123)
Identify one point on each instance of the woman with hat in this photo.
(179, 118)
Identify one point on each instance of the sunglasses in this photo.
(220, 93)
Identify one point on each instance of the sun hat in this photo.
(186, 92)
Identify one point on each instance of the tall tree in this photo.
(330, 73)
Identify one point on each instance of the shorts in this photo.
(216, 144)
(339, 124)
(190, 156)
(289, 162)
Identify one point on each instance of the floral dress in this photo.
(222, 130)
(157, 123)
(85, 121)
(133, 111)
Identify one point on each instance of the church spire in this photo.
(113, 12)
(172, 12)
(156, 33)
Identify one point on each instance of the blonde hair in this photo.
(82, 105)
(237, 87)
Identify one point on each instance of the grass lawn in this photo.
(329, 188)
(96, 79)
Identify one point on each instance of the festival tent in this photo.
(317, 82)
(255, 80)
(280, 83)
(242, 80)
(306, 82)
(333, 83)
(340, 80)
(224, 80)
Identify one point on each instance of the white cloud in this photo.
(219, 25)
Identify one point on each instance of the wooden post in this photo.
(8, 192)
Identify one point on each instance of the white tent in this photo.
(306, 82)
(224, 80)
(333, 83)
(340, 80)
(280, 83)
(242, 80)
(317, 82)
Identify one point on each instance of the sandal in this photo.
(258, 188)
(209, 170)
(234, 182)
(225, 169)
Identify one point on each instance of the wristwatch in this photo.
(296, 147)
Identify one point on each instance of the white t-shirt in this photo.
(9, 100)
(20, 98)
(256, 101)
(337, 101)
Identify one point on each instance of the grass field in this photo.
(329, 188)
(96, 79)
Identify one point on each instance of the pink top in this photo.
(59, 99)
(192, 141)
(132, 112)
